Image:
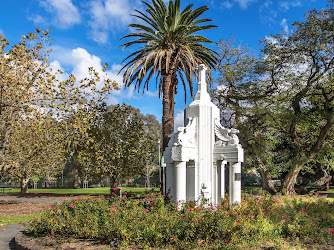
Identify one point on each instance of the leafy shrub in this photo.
(152, 222)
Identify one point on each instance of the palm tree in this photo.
(170, 52)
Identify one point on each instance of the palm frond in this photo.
(170, 45)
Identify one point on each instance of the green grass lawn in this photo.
(17, 219)
(88, 191)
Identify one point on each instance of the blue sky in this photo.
(86, 33)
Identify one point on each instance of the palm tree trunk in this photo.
(168, 103)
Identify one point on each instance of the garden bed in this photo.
(152, 222)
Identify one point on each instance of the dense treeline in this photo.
(282, 101)
(47, 123)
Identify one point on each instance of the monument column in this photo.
(235, 183)
(215, 183)
(170, 181)
(180, 171)
(221, 180)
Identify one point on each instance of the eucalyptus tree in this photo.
(170, 52)
(288, 106)
(301, 66)
(244, 103)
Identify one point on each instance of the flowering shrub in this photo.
(152, 222)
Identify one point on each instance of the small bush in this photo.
(152, 222)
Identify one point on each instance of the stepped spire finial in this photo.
(202, 92)
(202, 81)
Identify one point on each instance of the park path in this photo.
(35, 200)
(8, 232)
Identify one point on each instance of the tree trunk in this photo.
(289, 181)
(24, 185)
(77, 179)
(325, 180)
(113, 182)
(168, 103)
(267, 184)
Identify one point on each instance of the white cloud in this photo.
(37, 19)
(179, 120)
(286, 5)
(271, 40)
(285, 26)
(63, 55)
(64, 13)
(243, 4)
(226, 5)
(78, 60)
(109, 15)
(55, 68)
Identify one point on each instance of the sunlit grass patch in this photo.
(18, 219)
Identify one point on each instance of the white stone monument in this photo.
(197, 154)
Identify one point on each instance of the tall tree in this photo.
(121, 145)
(301, 66)
(33, 99)
(171, 52)
(36, 148)
(243, 103)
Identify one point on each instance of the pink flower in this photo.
(223, 233)
(239, 220)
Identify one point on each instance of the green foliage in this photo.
(243, 100)
(170, 44)
(34, 104)
(121, 144)
(261, 221)
(282, 101)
